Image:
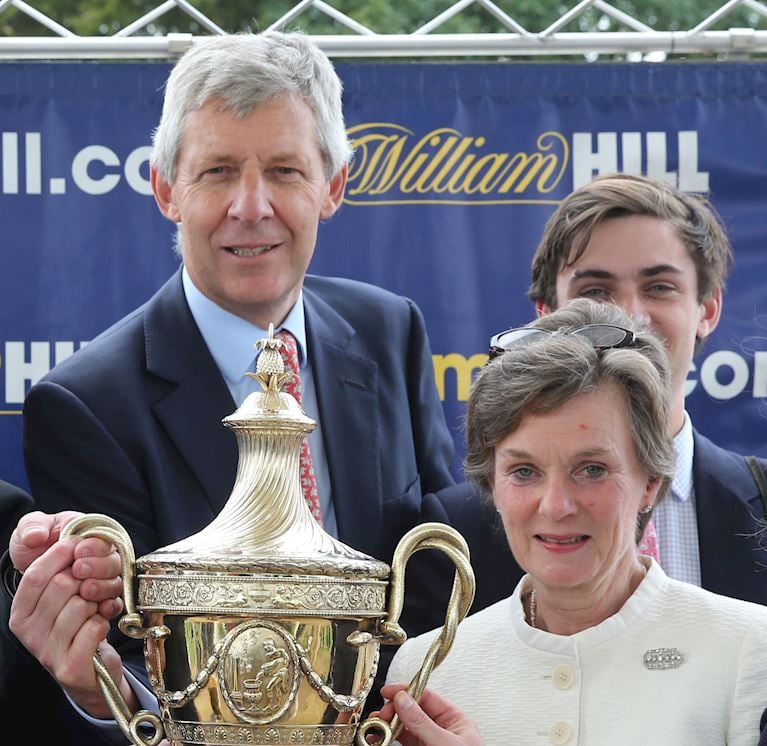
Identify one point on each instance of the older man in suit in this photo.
(250, 156)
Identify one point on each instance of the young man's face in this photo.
(639, 263)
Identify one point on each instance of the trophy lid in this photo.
(266, 525)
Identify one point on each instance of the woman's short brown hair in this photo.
(544, 375)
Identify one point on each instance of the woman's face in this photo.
(568, 486)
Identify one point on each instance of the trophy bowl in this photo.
(262, 628)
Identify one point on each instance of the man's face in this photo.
(249, 195)
(639, 263)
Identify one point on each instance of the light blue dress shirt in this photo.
(230, 340)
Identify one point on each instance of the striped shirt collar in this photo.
(683, 442)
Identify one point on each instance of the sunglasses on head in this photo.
(601, 336)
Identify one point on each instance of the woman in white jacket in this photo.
(596, 646)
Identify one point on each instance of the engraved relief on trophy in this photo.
(260, 672)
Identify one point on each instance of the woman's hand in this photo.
(433, 722)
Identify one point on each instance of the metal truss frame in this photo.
(638, 42)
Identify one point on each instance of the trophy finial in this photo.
(270, 367)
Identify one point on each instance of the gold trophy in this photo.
(262, 628)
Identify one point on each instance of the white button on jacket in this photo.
(563, 677)
(560, 733)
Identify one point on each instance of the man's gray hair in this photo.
(544, 375)
(243, 71)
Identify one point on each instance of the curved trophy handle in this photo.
(131, 624)
(426, 536)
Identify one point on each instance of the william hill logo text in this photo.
(398, 166)
(723, 374)
(394, 165)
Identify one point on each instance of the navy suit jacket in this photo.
(730, 516)
(14, 503)
(131, 425)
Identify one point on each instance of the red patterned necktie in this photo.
(293, 387)
(648, 544)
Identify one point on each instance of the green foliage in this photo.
(106, 17)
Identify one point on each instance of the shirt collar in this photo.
(230, 338)
(683, 442)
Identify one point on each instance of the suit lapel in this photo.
(347, 394)
(724, 491)
(192, 410)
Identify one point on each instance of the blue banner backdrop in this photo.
(456, 170)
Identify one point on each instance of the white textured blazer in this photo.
(527, 687)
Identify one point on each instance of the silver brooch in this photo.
(661, 659)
